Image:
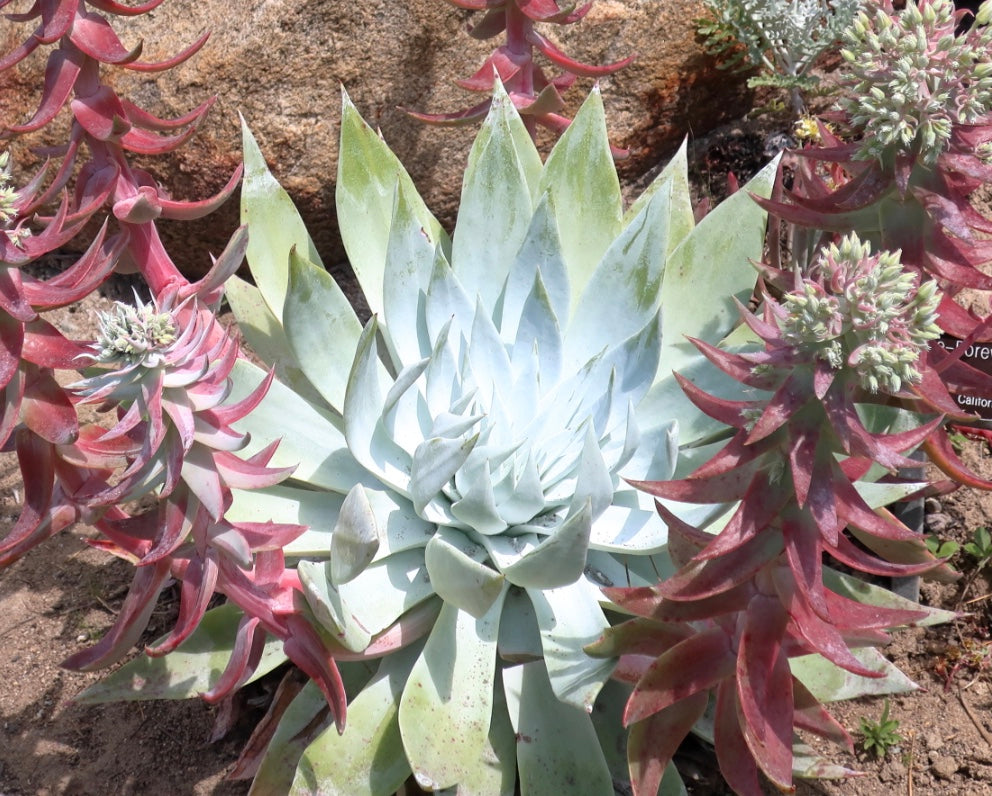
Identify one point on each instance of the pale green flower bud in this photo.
(134, 335)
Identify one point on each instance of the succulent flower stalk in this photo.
(752, 592)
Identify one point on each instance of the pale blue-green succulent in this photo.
(461, 457)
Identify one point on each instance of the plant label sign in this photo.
(979, 356)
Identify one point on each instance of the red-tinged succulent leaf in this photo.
(60, 77)
(492, 24)
(10, 410)
(737, 454)
(692, 666)
(728, 602)
(146, 586)
(803, 445)
(45, 346)
(814, 219)
(501, 63)
(169, 63)
(629, 669)
(249, 642)
(111, 7)
(911, 551)
(268, 535)
(147, 121)
(851, 508)
(950, 214)
(306, 650)
(557, 57)
(653, 742)
(856, 558)
(810, 715)
(140, 208)
(821, 636)
(737, 367)
(195, 593)
(938, 448)
(175, 520)
(542, 11)
(782, 407)
(762, 503)
(11, 347)
(732, 752)
(638, 637)
(56, 19)
(638, 600)
(190, 211)
(803, 551)
(144, 142)
(850, 614)
(458, 118)
(764, 689)
(92, 34)
(209, 288)
(46, 408)
(255, 749)
(62, 515)
(241, 474)
(101, 114)
(36, 458)
(730, 413)
(700, 579)
(12, 299)
(201, 476)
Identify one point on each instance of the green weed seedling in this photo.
(882, 735)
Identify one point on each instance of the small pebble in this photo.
(82, 637)
(932, 506)
(944, 767)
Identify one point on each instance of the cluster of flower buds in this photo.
(865, 311)
(910, 79)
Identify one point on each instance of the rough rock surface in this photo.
(282, 63)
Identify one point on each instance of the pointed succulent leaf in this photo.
(387, 589)
(713, 260)
(582, 183)
(829, 683)
(188, 671)
(674, 177)
(367, 180)
(631, 274)
(451, 686)
(276, 226)
(321, 327)
(496, 202)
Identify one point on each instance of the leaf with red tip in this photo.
(101, 114)
(737, 367)
(730, 413)
(795, 391)
(37, 464)
(938, 448)
(557, 57)
(144, 142)
(549, 11)
(60, 77)
(249, 644)
(458, 118)
(808, 714)
(764, 689)
(694, 665)
(56, 20)
(701, 579)
(757, 511)
(92, 34)
(11, 347)
(10, 413)
(853, 556)
(851, 614)
(803, 551)
(194, 597)
(732, 752)
(240, 474)
(638, 637)
(822, 636)
(190, 211)
(146, 585)
(45, 346)
(652, 743)
(46, 408)
(501, 63)
(307, 651)
(169, 63)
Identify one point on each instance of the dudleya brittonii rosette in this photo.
(461, 458)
